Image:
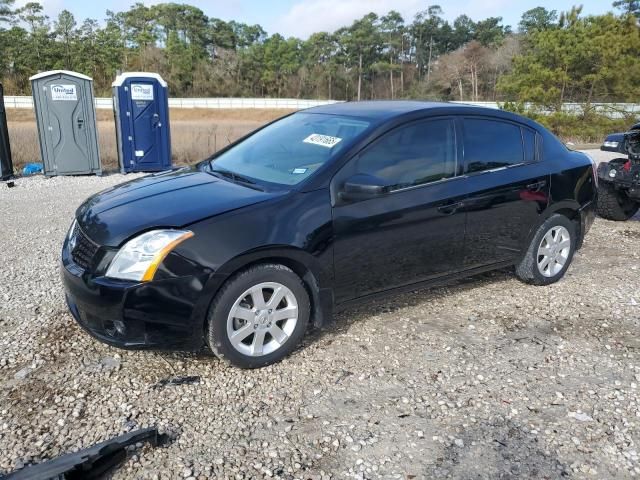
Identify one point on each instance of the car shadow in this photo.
(500, 448)
(346, 316)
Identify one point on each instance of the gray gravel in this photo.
(487, 378)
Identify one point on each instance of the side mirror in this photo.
(363, 187)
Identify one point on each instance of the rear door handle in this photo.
(537, 185)
(450, 208)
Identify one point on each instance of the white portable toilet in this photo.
(66, 118)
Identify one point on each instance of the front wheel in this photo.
(259, 316)
(550, 252)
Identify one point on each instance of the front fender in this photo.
(316, 276)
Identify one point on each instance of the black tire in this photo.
(614, 204)
(217, 336)
(527, 270)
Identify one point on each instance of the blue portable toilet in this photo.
(141, 111)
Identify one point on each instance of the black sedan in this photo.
(320, 209)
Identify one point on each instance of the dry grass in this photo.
(195, 133)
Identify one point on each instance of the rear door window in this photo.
(490, 144)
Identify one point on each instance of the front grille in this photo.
(84, 251)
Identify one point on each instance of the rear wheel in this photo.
(614, 204)
(550, 252)
(259, 316)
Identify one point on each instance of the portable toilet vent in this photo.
(6, 165)
(141, 111)
(66, 119)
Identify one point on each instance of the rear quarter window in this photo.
(529, 139)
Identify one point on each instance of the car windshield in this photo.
(289, 150)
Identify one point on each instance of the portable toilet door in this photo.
(141, 111)
(66, 119)
(6, 165)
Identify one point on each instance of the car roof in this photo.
(384, 110)
(375, 109)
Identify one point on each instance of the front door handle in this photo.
(450, 208)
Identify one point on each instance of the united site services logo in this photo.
(61, 92)
(140, 91)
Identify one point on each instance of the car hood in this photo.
(169, 199)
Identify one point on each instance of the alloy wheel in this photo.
(553, 251)
(262, 319)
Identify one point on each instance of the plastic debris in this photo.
(32, 168)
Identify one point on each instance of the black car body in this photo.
(346, 234)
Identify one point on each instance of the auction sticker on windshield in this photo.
(322, 140)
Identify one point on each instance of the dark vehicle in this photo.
(619, 185)
(320, 209)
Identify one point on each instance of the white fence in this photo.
(288, 103)
(613, 110)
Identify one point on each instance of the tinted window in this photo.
(412, 155)
(529, 138)
(491, 144)
(290, 150)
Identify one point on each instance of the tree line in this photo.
(547, 59)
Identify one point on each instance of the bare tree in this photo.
(450, 72)
(501, 60)
(476, 58)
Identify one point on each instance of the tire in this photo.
(614, 204)
(529, 269)
(263, 333)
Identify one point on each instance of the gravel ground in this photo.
(487, 378)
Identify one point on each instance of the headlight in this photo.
(71, 234)
(140, 257)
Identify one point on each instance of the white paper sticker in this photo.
(322, 140)
(141, 91)
(299, 170)
(61, 92)
(139, 153)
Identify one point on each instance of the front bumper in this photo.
(154, 315)
(627, 178)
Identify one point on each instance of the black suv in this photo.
(619, 186)
(319, 209)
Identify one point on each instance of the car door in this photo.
(508, 189)
(414, 231)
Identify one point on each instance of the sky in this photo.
(300, 18)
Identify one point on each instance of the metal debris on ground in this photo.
(177, 381)
(91, 463)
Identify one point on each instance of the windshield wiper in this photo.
(223, 172)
